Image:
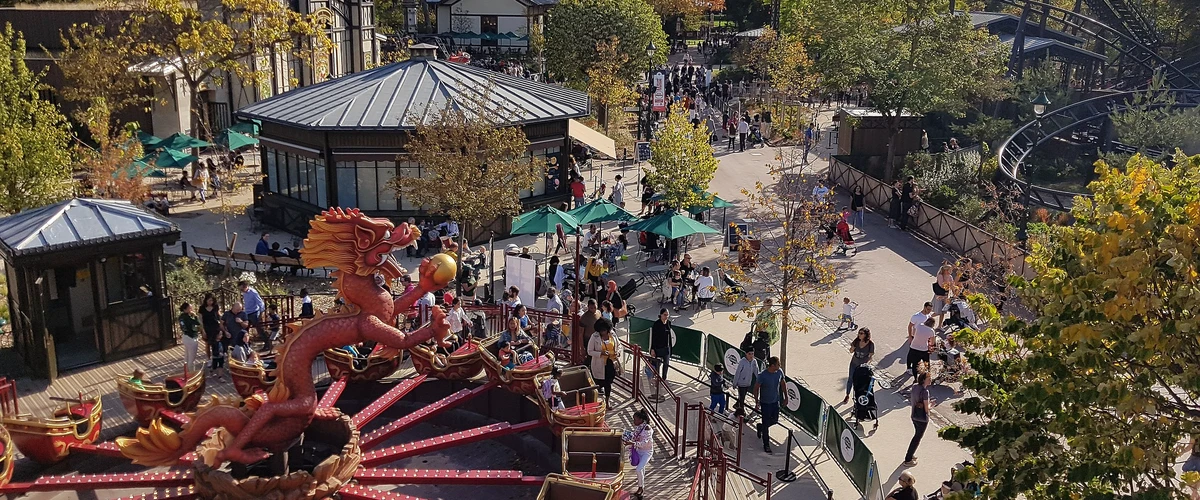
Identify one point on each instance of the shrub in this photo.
(187, 277)
(970, 208)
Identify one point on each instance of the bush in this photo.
(970, 208)
(943, 197)
(1001, 229)
(187, 277)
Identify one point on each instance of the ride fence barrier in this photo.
(686, 343)
(714, 460)
(848, 450)
(666, 404)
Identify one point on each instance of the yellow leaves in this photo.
(1079, 333)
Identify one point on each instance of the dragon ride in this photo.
(359, 247)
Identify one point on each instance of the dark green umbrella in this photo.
(543, 221)
(249, 128)
(234, 140)
(180, 141)
(148, 141)
(135, 169)
(601, 210)
(169, 158)
(672, 225)
(710, 202)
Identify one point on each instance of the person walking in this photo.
(716, 389)
(255, 307)
(743, 128)
(894, 204)
(858, 208)
(744, 377)
(770, 388)
(942, 287)
(906, 488)
(605, 351)
(660, 342)
(862, 350)
(908, 196)
(640, 440)
(920, 416)
(618, 192)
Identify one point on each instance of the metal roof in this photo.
(1034, 44)
(76, 223)
(754, 33)
(401, 95)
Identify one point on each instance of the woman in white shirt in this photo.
(456, 316)
(641, 446)
(705, 288)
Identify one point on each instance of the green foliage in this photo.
(987, 130)
(1155, 122)
(1091, 396)
(782, 60)
(187, 278)
(35, 139)
(575, 27)
(683, 160)
(970, 208)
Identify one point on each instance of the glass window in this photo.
(408, 169)
(322, 199)
(293, 167)
(387, 195)
(554, 172)
(347, 185)
(301, 179)
(272, 171)
(125, 276)
(368, 188)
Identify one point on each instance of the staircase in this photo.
(1124, 15)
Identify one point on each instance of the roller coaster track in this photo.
(1013, 151)
(1137, 53)
(1124, 14)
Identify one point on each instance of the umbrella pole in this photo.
(724, 229)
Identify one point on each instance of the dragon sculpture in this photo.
(359, 247)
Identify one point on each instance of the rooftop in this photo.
(402, 95)
(78, 222)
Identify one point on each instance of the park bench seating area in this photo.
(252, 262)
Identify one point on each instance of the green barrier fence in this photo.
(687, 346)
(848, 450)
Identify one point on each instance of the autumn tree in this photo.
(474, 164)
(672, 8)
(35, 150)
(112, 165)
(605, 85)
(792, 266)
(1091, 394)
(682, 161)
(207, 43)
(782, 60)
(95, 66)
(575, 27)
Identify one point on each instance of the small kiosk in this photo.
(85, 283)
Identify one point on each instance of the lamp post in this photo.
(1039, 109)
(650, 51)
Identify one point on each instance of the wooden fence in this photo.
(948, 231)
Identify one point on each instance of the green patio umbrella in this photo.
(601, 210)
(136, 168)
(543, 221)
(148, 141)
(711, 201)
(249, 128)
(233, 140)
(181, 141)
(169, 158)
(672, 225)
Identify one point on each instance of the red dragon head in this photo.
(353, 243)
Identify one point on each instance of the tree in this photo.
(475, 165)
(1090, 397)
(206, 42)
(575, 27)
(792, 266)
(605, 85)
(35, 151)
(682, 161)
(781, 59)
(672, 8)
(111, 165)
(95, 66)
(1154, 121)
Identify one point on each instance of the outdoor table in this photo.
(655, 275)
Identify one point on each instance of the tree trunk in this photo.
(783, 335)
(889, 165)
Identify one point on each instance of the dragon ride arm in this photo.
(438, 328)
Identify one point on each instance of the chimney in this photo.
(422, 51)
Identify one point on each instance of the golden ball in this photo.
(445, 268)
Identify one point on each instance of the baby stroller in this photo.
(961, 316)
(843, 232)
(864, 396)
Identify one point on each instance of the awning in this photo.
(755, 33)
(592, 138)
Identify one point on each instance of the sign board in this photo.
(848, 450)
(734, 234)
(659, 101)
(643, 151)
(521, 273)
(412, 19)
(685, 342)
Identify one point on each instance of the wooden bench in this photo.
(253, 262)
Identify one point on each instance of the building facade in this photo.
(499, 26)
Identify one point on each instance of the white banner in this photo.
(521, 273)
(659, 102)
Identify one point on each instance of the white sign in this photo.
(659, 101)
(521, 273)
(732, 357)
(793, 396)
(846, 443)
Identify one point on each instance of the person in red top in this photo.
(578, 190)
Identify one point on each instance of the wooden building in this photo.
(85, 283)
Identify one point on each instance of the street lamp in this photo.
(651, 49)
(1039, 109)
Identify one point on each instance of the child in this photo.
(274, 321)
(552, 391)
(716, 388)
(218, 360)
(606, 310)
(137, 378)
(507, 360)
(306, 305)
(553, 334)
(847, 315)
